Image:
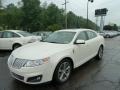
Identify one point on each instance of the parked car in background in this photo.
(109, 34)
(12, 39)
(118, 32)
(43, 34)
(102, 33)
(55, 57)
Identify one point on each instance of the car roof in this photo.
(76, 30)
(13, 30)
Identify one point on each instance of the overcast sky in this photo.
(79, 8)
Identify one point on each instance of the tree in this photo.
(111, 27)
(72, 20)
(54, 27)
(13, 17)
(10, 17)
(107, 27)
(31, 18)
(54, 15)
(75, 21)
(115, 27)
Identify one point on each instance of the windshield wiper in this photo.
(48, 42)
(56, 42)
(53, 42)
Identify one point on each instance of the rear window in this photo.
(25, 34)
(91, 34)
(15, 35)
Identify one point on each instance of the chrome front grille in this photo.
(16, 62)
(19, 63)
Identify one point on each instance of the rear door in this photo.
(93, 43)
(8, 39)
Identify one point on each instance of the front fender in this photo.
(55, 59)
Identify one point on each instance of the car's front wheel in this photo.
(107, 36)
(63, 71)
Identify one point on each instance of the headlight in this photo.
(33, 63)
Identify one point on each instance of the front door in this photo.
(81, 51)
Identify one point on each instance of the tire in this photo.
(63, 71)
(100, 53)
(16, 46)
(107, 36)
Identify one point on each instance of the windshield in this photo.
(25, 34)
(62, 37)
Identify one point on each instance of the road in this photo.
(94, 75)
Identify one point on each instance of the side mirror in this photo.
(80, 42)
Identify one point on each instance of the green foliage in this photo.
(115, 27)
(13, 17)
(10, 17)
(35, 17)
(1, 28)
(110, 27)
(31, 18)
(54, 27)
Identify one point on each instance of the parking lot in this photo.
(94, 75)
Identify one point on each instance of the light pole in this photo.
(65, 13)
(88, 9)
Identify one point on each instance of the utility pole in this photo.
(65, 13)
(97, 22)
(102, 23)
(87, 12)
(88, 9)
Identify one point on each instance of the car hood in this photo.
(39, 50)
(34, 37)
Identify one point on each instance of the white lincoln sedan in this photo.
(55, 57)
(12, 39)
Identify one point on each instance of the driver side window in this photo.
(82, 36)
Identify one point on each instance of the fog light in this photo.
(35, 79)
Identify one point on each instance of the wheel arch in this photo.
(102, 46)
(69, 58)
(16, 44)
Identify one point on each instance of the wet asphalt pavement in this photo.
(94, 75)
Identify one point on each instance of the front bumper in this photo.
(33, 75)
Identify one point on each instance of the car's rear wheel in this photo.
(100, 53)
(107, 36)
(15, 46)
(63, 71)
